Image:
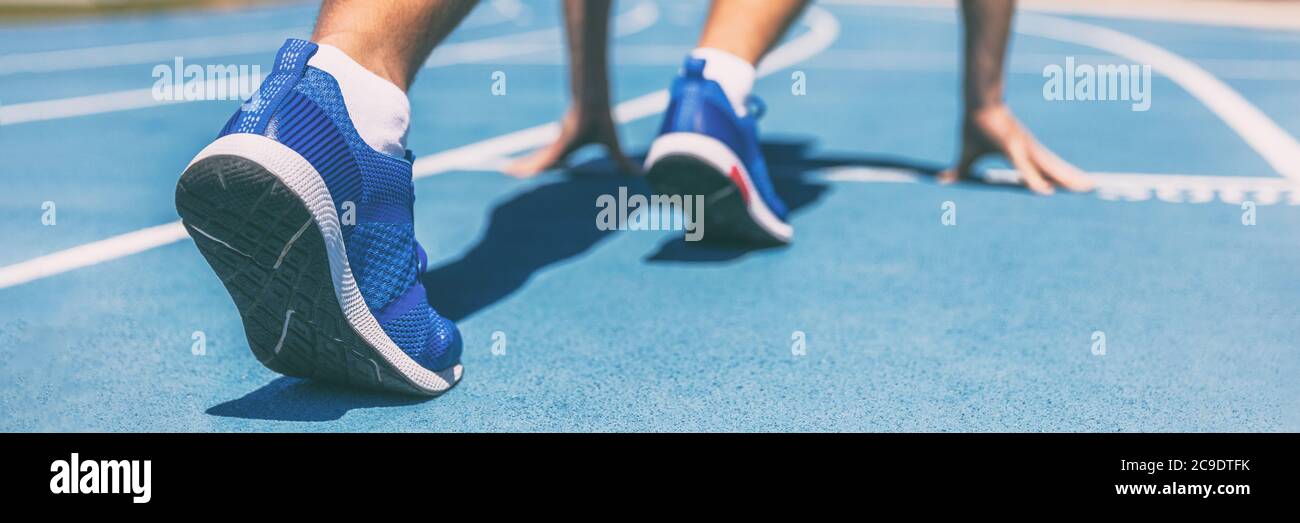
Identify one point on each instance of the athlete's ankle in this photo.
(733, 73)
(379, 109)
(379, 59)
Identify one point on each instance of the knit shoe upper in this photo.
(302, 107)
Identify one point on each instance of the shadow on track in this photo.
(791, 166)
(527, 233)
(293, 399)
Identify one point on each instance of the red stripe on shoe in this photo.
(740, 182)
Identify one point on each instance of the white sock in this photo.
(733, 73)
(379, 110)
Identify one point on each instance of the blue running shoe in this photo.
(704, 148)
(319, 297)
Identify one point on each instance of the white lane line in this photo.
(490, 151)
(86, 105)
(823, 30)
(233, 44)
(147, 52)
(1278, 148)
(92, 253)
(634, 20)
(640, 17)
(1133, 187)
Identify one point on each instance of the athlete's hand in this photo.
(994, 130)
(580, 127)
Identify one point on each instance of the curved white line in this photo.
(1278, 148)
(823, 29)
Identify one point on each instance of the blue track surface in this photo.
(910, 325)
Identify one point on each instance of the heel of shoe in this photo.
(256, 236)
(696, 164)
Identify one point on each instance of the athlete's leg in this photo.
(303, 204)
(748, 28)
(708, 144)
(390, 38)
(737, 35)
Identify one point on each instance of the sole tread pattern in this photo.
(263, 244)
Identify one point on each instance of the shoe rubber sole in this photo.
(243, 203)
(689, 164)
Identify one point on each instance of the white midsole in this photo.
(709, 150)
(300, 177)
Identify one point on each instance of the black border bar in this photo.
(196, 470)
